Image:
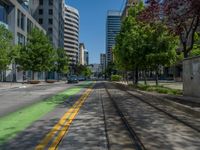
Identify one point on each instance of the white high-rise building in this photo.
(81, 53)
(71, 34)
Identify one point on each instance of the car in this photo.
(73, 79)
(81, 78)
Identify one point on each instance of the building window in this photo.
(50, 11)
(50, 2)
(40, 21)
(3, 14)
(22, 21)
(18, 18)
(21, 39)
(29, 25)
(40, 11)
(50, 30)
(50, 21)
(41, 2)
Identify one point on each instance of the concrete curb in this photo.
(31, 85)
(165, 101)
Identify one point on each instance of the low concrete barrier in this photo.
(191, 77)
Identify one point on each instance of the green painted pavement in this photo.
(15, 122)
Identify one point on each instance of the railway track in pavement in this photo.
(149, 115)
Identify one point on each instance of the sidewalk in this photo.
(12, 85)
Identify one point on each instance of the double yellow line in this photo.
(61, 128)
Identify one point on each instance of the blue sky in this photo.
(93, 23)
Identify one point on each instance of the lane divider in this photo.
(61, 128)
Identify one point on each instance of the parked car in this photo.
(73, 79)
(81, 78)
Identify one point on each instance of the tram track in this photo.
(135, 139)
(130, 128)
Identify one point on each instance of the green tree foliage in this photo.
(82, 70)
(62, 62)
(196, 48)
(141, 45)
(5, 47)
(38, 55)
(162, 48)
(87, 72)
(111, 69)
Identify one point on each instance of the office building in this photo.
(86, 57)
(71, 34)
(81, 53)
(113, 25)
(16, 18)
(50, 15)
(128, 4)
(103, 61)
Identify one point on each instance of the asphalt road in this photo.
(89, 120)
(14, 99)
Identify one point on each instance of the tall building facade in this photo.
(71, 34)
(50, 15)
(14, 15)
(129, 3)
(103, 61)
(81, 53)
(113, 25)
(86, 57)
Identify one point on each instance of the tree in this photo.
(87, 72)
(5, 47)
(196, 49)
(110, 69)
(82, 70)
(62, 62)
(129, 42)
(143, 45)
(181, 16)
(162, 48)
(38, 55)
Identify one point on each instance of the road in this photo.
(95, 116)
(14, 99)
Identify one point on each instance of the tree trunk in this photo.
(133, 77)
(174, 72)
(156, 77)
(33, 75)
(136, 76)
(126, 76)
(185, 54)
(145, 78)
(46, 74)
(1, 76)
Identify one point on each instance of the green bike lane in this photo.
(14, 126)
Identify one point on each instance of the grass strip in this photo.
(16, 122)
(158, 89)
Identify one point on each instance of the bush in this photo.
(116, 78)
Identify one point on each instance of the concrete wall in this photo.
(191, 77)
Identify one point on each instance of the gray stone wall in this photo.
(191, 77)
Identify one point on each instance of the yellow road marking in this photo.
(62, 121)
(64, 130)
